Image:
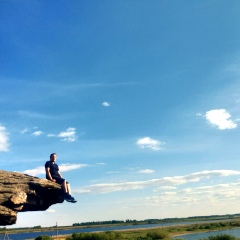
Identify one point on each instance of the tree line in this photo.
(103, 222)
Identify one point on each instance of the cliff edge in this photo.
(21, 193)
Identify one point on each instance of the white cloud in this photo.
(25, 130)
(167, 188)
(220, 118)
(113, 172)
(106, 104)
(69, 135)
(33, 131)
(36, 171)
(146, 171)
(161, 182)
(211, 195)
(63, 168)
(150, 143)
(101, 163)
(4, 140)
(51, 211)
(68, 167)
(51, 135)
(37, 133)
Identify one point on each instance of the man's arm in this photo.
(49, 174)
(59, 174)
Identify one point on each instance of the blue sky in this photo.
(139, 99)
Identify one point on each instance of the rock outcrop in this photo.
(21, 193)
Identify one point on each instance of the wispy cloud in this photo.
(63, 168)
(161, 182)
(69, 135)
(113, 172)
(220, 118)
(67, 88)
(25, 130)
(167, 188)
(146, 171)
(150, 143)
(97, 85)
(233, 68)
(32, 131)
(68, 167)
(106, 104)
(37, 133)
(213, 195)
(4, 140)
(101, 163)
(30, 114)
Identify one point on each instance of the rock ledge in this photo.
(21, 193)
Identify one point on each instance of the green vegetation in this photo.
(96, 236)
(111, 222)
(151, 235)
(43, 237)
(157, 234)
(98, 223)
(37, 227)
(203, 227)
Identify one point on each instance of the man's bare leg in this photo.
(64, 186)
(68, 188)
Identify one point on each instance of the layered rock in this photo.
(21, 193)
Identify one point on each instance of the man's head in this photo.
(53, 157)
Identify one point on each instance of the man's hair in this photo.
(51, 155)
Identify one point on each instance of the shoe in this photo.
(69, 198)
(72, 199)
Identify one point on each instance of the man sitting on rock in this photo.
(53, 174)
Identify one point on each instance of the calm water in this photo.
(24, 236)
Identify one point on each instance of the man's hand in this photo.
(53, 180)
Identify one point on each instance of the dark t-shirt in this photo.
(53, 169)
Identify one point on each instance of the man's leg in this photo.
(64, 186)
(68, 188)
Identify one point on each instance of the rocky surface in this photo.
(21, 193)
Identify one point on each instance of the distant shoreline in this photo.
(173, 230)
(219, 218)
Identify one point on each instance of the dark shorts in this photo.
(58, 179)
